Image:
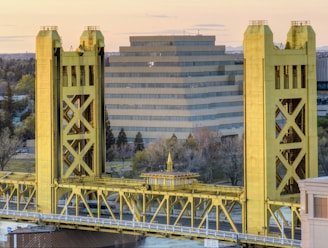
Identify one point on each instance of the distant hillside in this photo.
(17, 55)
(239, 49)
(230, 49)
(323, 49)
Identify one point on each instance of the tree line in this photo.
(12, 69)
(323, 146)
(214, 157)
(16, 78)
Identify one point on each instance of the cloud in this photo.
(209, 28)
(162, 16)
(162, 32)
(15, 38)
(209, 25)
(159, 16)
(192, 30)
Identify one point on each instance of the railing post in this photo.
(7, 200)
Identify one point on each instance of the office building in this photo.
(165, 85)
(322, 73)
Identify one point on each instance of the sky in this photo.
(21, 20)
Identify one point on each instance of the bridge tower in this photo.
(69, 111)
(280, 118)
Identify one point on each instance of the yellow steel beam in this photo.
(192, 203)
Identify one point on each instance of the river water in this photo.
(149, 242)
(153, 242)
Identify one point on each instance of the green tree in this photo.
(27, 131)
(121, 139)
(12, 70)
(190, 142)
(144, 161)
(140, 161)
(26, 86)
(2, 119)
(138, 143)
(8, 108)
(158, 152)
(122, 149)
(110, 139)
(172, 141)
(152, 158)
(8, 146)
(323, 122)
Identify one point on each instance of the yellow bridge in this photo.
(71, 190)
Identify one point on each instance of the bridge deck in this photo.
(150, 229)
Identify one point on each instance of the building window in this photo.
(82, 76)
(73, 74)
(91, 76)
(277, 77)
(320, 207)
(303, 76)
(286, 77)
(294, 76)
(65, 77)
(306, 203)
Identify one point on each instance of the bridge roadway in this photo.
(211, 223)
(143, 228)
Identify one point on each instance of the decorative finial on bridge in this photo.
(169, 167)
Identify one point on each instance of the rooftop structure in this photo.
(164, 85)
(169, 178)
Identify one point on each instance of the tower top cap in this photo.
(300, 23)
(48, 28)
(258, 22)
(91, 28)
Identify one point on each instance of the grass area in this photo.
(21, 165)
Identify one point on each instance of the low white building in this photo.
(314, 212)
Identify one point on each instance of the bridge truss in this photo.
(213, 207)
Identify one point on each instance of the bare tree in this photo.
(191, 158)
(124, 151)
(231, 153)
(208, 143)
(323, 151)
(8, 146)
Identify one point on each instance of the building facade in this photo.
(322, 83)
(314, 211)
(165, 85)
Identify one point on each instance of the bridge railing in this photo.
(149, 227)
